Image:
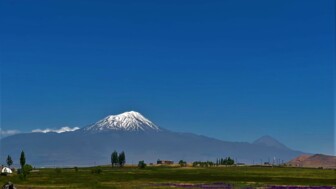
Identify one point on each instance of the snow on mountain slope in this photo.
(127, 121)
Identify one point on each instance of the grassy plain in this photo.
(152, 177)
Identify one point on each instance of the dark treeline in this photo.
(203, 164)
(118, 159)
(226, 161)
(219, 161)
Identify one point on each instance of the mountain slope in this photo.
(316, 160)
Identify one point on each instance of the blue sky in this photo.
(233, 70)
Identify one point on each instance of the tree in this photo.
(230, 161)
(142, 164)
(9, 161)
(182, 163)
(26, 170)
(22, 159)
(114, 158)
(226, 161)
(122, 159)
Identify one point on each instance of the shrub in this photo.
(24, 171)
(76, 169)
(58, 171)
(142, 164)
(27, 168)
(182, 163)
(96, 170)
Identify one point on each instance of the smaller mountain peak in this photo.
(269, 141)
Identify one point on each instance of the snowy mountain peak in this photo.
(127, 121)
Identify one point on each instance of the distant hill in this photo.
(140, 139)
(317, 160)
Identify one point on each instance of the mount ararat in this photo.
(140, 139)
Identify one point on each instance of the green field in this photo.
(152, 177)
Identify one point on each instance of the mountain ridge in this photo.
(138, 138)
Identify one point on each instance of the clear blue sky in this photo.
(233, 70)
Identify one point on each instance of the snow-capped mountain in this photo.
(133, 133)
(127, 121)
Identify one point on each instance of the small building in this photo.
(164, 162)
(6, 170)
